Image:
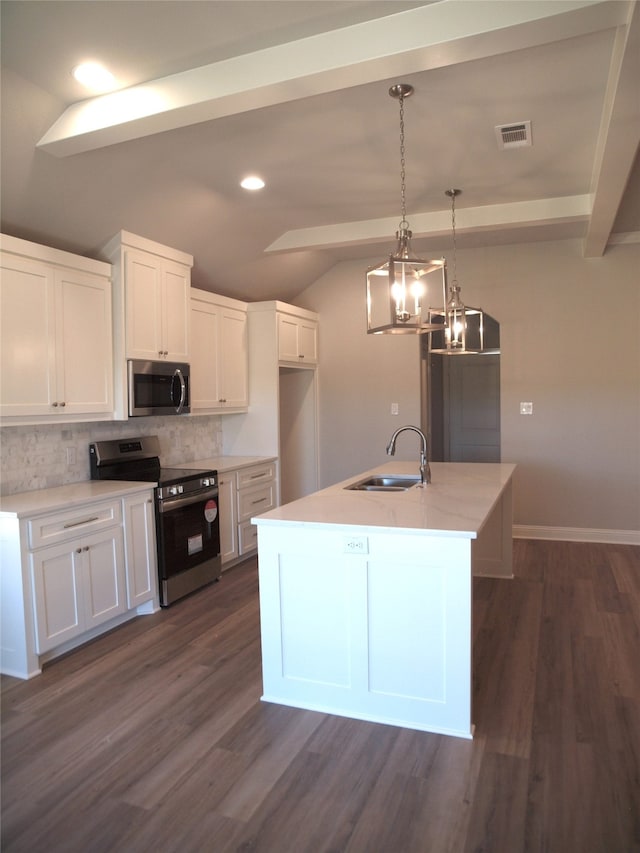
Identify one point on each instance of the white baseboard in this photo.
(577, 534)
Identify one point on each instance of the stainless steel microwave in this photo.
(158, 388)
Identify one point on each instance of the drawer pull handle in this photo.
(257, 476)
(259, 501)
(78, 523)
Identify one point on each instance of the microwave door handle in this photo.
(183, 389)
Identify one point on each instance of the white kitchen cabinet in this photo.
(219, 369)
(77, 585)
(227, 501)
(140, 549)
(152, 284)
(73, 566)
(297, 338)
(244, 492)
(56, 356)
(156, 315)
(282, 420)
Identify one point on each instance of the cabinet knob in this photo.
(55, 405)
(86, 548)
(78, 550)
(63, 403)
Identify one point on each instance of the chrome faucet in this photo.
(425, 471)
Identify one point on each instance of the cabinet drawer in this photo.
(247, 537)
(63, 526)
(256, 474)
(255, 501)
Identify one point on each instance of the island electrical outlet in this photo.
(356, 545)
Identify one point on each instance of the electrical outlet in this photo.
(71, 456)
(356, 545)
(526, 408)
(394, 408)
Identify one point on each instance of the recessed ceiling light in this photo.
(94, 76)
(252, 182)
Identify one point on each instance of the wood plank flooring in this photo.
(153, 738)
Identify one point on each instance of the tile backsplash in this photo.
(41, 457)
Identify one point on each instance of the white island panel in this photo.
(354, 635)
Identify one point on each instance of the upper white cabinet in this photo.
(153, 284)
(297, 338)
(219, 370)
(56, 357)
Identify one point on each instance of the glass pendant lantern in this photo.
(401, 289)
(465, 330)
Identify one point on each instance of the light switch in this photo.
(526, 408)
(394, 408)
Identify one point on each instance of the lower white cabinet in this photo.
(228, 518)
(77, 585)
(244, 493)
(70, 574)
(140, 549)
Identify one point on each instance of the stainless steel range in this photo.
(186, 505)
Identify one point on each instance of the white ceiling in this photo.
(298, 92)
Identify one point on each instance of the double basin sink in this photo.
(388, 483)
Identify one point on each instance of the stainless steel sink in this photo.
(389, 483)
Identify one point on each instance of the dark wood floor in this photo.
(153, 738)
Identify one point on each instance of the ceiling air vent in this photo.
(514, 135)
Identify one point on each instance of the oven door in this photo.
(188, 532)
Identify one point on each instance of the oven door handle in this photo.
(168, 504)
(183, 390)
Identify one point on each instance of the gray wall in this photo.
(570, 336)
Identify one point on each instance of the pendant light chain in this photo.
(403, 224)
(453, 228)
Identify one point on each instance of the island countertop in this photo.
(457, 502)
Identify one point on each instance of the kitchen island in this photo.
(366, 596)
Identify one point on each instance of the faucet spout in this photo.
(425, 470)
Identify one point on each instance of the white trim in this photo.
(577, 534)
(622, 237)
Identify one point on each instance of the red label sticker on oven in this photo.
(210, 511)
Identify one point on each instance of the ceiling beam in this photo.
(619, 136)
(433, 36)
(548, 211)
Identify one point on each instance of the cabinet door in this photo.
(84, 366)
(233, 358)
(27, 338)
(308, 341)
(56, 578)
(143, 288)
(140, 549)
(297, 339)
(175, 311)
(205, 333)
(103, 582)
(228, 517)
(287, 338)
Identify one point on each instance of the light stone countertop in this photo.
(227, 463)
(457, 502)
(66, 497)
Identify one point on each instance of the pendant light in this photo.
(401, 290)
(466, 330)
